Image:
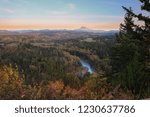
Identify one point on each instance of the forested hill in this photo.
(52, 69)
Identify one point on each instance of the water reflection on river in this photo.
(86, 65)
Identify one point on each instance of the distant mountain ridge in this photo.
(81, 30)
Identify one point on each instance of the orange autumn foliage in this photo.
(11, 83)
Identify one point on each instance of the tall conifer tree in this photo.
(131, 54)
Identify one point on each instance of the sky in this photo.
(63, 14)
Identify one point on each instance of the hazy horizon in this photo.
(58, 29)
(62, 14)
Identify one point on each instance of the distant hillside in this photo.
(60, 34)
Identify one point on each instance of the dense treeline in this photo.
(38, 64)
(13, 86)
(131, 54)
(53, 72)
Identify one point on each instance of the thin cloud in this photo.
(72, 6)
(7, 10)
(101, 16)
(58, 13)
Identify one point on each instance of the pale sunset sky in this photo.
(63, 14)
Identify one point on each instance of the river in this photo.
(86, 65)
